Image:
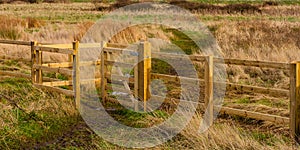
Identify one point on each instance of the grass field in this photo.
(32, 118)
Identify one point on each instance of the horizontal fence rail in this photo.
(26, 43)
(71, 69)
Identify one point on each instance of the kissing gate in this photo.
(137, 86)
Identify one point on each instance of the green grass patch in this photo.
(243, 101)
(56, 75)
(10, 33)
(182, 41)
(274, 103)
(139, 119)
(27, 121)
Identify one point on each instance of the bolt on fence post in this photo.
(295, 101)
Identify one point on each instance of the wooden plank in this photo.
(232, 111)
(84, 45)
(54, 50)
(295, 101)
(39, 75)
(255, 89)
(229, 86)
(178, 57)
(255, 115)
(119, 64)
(55, 89)
(136, 84)
(163, 55)
(144, 69)
(209, 90)
(58, 83)
(33, 61)
(103, 71)
(253, 63)
(15, 42)
(88, 81)
(115, 77)
(59, 65)
(89, 63)
(175, 78)
(57, 70)
(227, 110)
(119, 50)
(76, 59)
(293, 87)
(15, 74)
(201, 58)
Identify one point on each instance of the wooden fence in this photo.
(142, 76)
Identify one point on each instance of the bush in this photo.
(34, 23)
(11, 28)
(10, 33)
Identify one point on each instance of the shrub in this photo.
(10, 28)
(34, 23)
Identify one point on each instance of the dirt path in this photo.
(78, 135)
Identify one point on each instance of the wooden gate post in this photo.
(209, 80)
(71, 61)
(39, 61)
(33, 61)
(295, 101)
(76, 66)
(144, 69)
(103, 71)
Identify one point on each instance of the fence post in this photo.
(295, 101)
(209, 80)
(144, 68)
(71, 60)
(136, 84)
(103, 71)
(33, 60)
(76, 57)
(39, 61)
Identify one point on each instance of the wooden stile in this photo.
(142, 77)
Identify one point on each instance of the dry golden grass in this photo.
(273, 36)
(224, 135)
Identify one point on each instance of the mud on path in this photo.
(78, 135)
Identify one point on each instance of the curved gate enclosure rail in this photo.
(71, 50)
